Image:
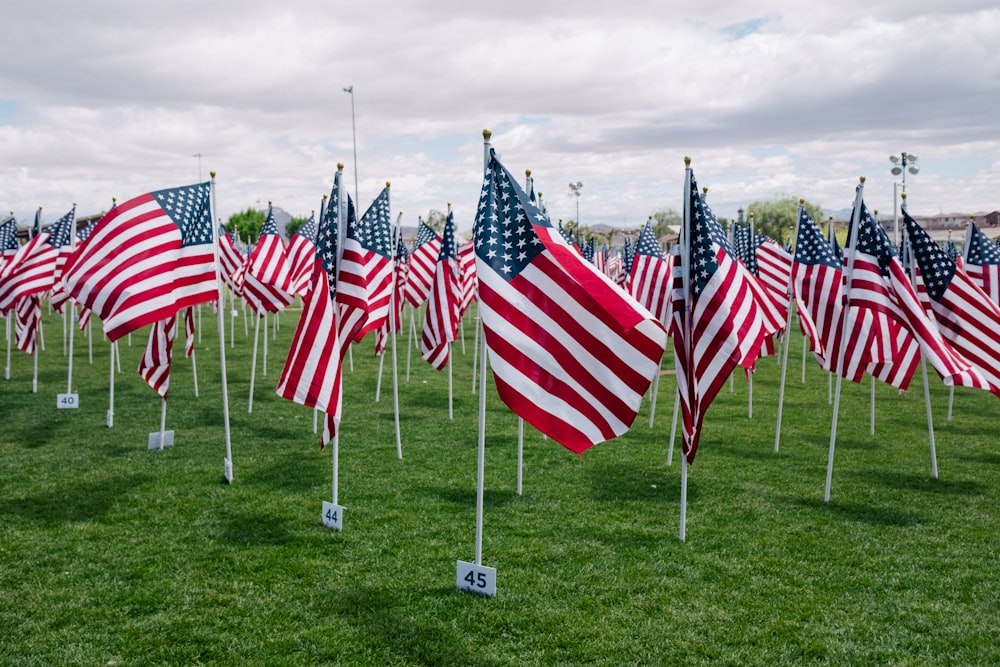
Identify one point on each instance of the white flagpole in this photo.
(923, 368)
(392, 338)
(481, 446)
(111, 386)
(264, 373)
(90, 341)
(805, 351)
(6, 368)
(65, 317)
(520, 454)
(451, 409)
(34, 379)
(409, 343)
(652, 397)
(253, 361)
(163, 421)
(220, 320)
(688, 328)
(787, 337)
(232, 317)
(41, 334)
(871, 408)
(194, 372)
(673, 427)
(378, 381)
(852, 253)
(199, 328)
(475, 348)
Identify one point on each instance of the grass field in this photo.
(112, 554)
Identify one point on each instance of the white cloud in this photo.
(114, 98)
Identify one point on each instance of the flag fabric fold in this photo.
(570, 352)
(146, 259)
(267, 279)
(443, 303)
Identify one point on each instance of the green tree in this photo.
(435, 219)
(666, 222)
(294, 224)
(247, 224)
(777, 218)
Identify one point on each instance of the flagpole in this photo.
(852, 248)
(253, 361)
(923, 366)
(68, 311)
(409, 343)
(381, 363)
(687, 342)
(397, 232)
(6, 368)
(90, 341)
(481, 445)
(264, 369)
(163, 421)
(784, 353)
(220, 320)
(475, 348)
(194, 372)
(673, 427)
(111, 386)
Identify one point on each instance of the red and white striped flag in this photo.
(31, 270)
(154, 365)
(467, 271)
(27, 315)
(968, 319)
(650, 282)
(365, 279)
(232, 264)
(719, 323)
(423, 259)
(571, 353)
(301, 254)
(146, 259)
(267, 280)
(443, 304)
(982, 262)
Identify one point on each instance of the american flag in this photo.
(301, 253)
(8, 241)
(718, 323)
(402, 267)
(571, 354)
(267, 280)
(423, 258)
(982, 262)
(146, 259)
(467, 269)
(601, 259)
(774, 270)
(189, 331)
(365, 282)
(879, 284)
(628, 254)
(232, 264)
(312, 372)
(443, 303)
(27, 315)
(32, 269)
(968, 319)
(817, 279)
(62, 239)
(154, 365)
(650, 282)
(588, 250)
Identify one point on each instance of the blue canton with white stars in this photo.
(270, 226)
(645, 243)
(936, 268)
(188, 207)
(504, 232)
(810, 246)
(88, 229)
(588, 250)
(982, 251)
(308, 228)
(873, 241)
(705, 234)
(59, 231)
(448, 239)
(8, 235)
(424, 235)
(374, 232)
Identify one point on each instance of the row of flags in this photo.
(573, 345)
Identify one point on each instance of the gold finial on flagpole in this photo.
(487, 134)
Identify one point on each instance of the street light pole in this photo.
(199, 156)
(905, 162)
(575, 189)
(354, 136)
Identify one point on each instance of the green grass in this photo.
(110, 553)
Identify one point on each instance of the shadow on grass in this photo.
(379, 616)
(286, 474)
(858, 512)
(617, 482)
(254, 530)
(911, 482)
(466, 497)
(80, 502)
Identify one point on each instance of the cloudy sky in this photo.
(770, 98)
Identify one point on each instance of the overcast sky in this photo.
(771, 98)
